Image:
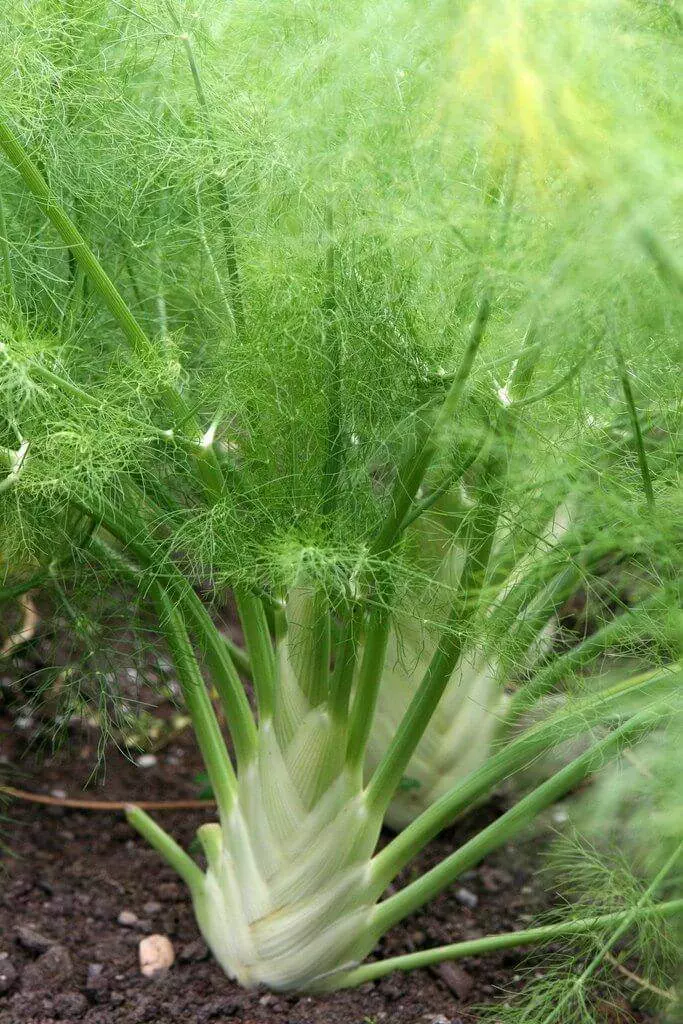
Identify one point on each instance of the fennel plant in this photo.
(295, 388)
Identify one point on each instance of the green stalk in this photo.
(412, 474)
(238, 656)
(214, 752)
(346, 658)
(391, 768)
(333, 354)
(259, 649)
(494, 943)
(516, 755)
(394, 909)
(569, 551)
(627, 920)
(311, 635)
(224, 676)
(160, 840)
(6, 256)
(129, 270)
(203, 238)
(635, 423)
(367, 687)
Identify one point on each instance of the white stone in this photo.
(146, 760)
(127, 918)
(156, 955)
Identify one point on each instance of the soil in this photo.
(67, 954)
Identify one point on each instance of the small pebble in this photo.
(127, 919)
(458, 980)
(31, 939)
(59, 794)
(156, 955)
(95, 979)
(8, 973)
(169, 891)
(146, 760)
(152, 907)
(466, 897)
(494, 879)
